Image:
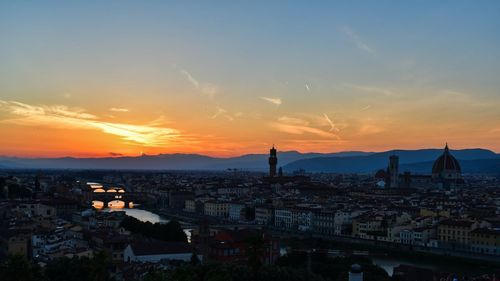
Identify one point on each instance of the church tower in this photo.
(394, 171)
(273, 161)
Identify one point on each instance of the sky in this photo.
(225, 78)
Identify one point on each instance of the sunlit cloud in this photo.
(356, 39)
(332, 125)
(308, 88)
(368, 129)
(60, 116)
(275, 101)
(223, 113)
(366, 107)
(370, 126)
(299, 126)
(118, 109)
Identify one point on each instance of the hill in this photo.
(417, 160)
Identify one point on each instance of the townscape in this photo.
(219, 217)
(236, 140)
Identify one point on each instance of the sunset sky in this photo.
(224, 78)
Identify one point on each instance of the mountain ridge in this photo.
(376, 161)
(345, 161)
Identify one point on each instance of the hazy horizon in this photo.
(264, 152)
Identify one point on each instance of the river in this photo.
(146, 216)
(388, 264)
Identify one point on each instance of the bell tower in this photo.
(394, 171)
(273, 161)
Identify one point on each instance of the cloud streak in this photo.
(332, 125)
(205, 88)
(373, 90)
(275, 101)
(301, 126)
(356, 39)
(60, 116)
(222, 112)
(117, 109)
(191, 79)
(308, 88)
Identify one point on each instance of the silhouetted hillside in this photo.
(373, 162)
(255, 162)
(342, 162)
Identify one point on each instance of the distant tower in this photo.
(394, 171)
(355, 274)
(37, 183)
(273, 161)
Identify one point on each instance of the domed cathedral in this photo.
(446, 171)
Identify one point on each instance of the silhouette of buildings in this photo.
(393, 171)
(446, 173)
(273, 161)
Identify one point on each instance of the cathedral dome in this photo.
(381, 174)
(446, 164)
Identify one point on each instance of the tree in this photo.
(171, 231)
(194, 259)
(79, 269)
(255, 252)
(18, 268)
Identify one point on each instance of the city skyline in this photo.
(119, 78)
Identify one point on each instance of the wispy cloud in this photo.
(222, 113)
(356, 39)
(207, 89)
(369, 129)
(191, 79)
(276, 101)
(366, 107)
(308, 88)
(370, 89)
(118, 109)
(332, 125)
(59, 116)
(300, 126)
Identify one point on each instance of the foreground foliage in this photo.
(289, 268)
(17, 268)
(171, 231)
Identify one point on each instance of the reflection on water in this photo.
(142, 215)
(389, 264)
(97, 204)
(146, 216)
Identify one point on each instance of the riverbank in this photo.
(145, 215)
(388, 258)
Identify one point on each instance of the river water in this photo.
(145, 216)
(388, 264)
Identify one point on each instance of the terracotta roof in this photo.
(446, 162)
